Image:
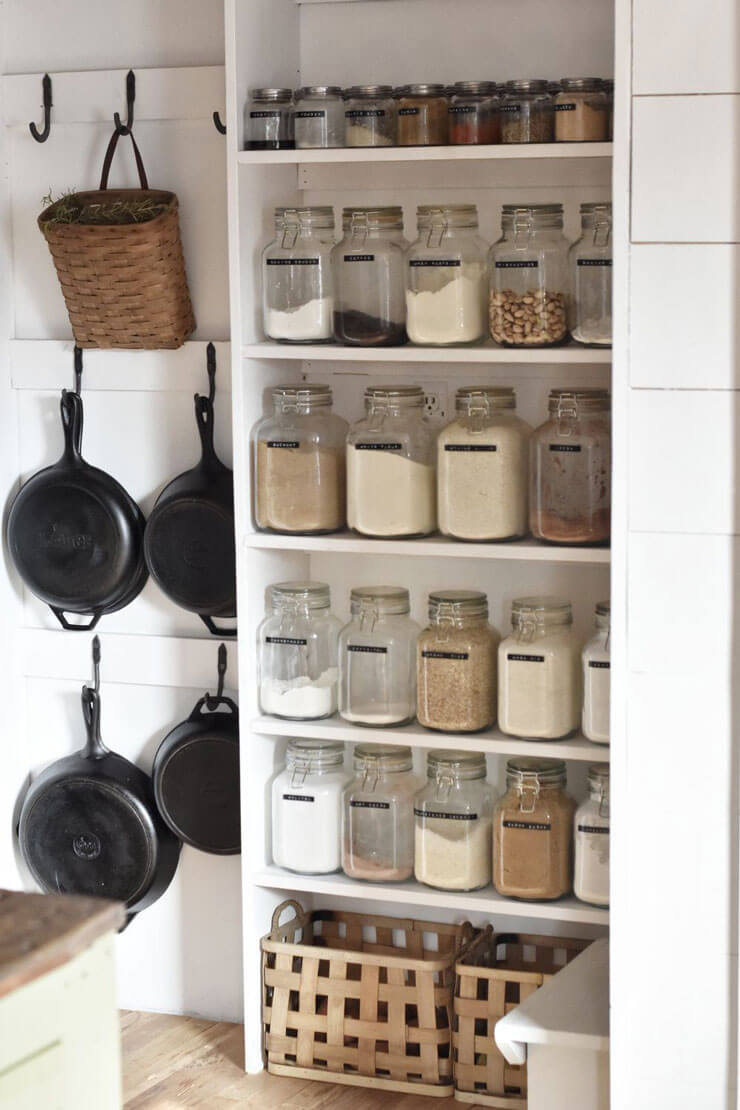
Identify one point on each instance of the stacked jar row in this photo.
(384, 825)
(457, 675)
(468, 112)
(373, 288)
(484, 477)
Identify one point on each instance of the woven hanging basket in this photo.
(124, 284)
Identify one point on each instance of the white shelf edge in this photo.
(570, 355)
(498, 153)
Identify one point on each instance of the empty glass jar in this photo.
(370, 116)
(597, 678)
(318, 116)
(591, 872)
(297, 280)
(581, 111)
(378, 824)
(590, 263)
(307, 800)
(368, 265)
(474, 113)
(422, 115)
(453, 823)
(268, 120)
(527, 112)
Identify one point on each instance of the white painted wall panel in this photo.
(684, 47)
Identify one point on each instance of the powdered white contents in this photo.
(539, 694)
(591, 877)
(389, 495)
(357, 135)
(482, 494)
(459, 858)
(455, 313)
(313, 320)
(300, 698)
(307, 821)
(396, 715)
(596, 682)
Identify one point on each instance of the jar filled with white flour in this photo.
(391, 478)
(539, 673)
(378, 822)
(591, 882)
(453, 815)
(483, 467)
(297, 652)
(297, 280)
(597, 678)
(307, 807)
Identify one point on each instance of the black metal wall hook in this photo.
(125, 129)
(220, 127)
(211, 368)
(42, 136)
(78, 369)
(213, 702)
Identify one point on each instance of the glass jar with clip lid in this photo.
(378, 824)
(453, 822)
(307, 807)
(368, 265)
(297, 279)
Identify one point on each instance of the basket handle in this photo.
(289, 903)
(108, 161)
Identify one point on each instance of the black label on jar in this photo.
(517, 657)
(264, 115)
(310, 115)
(594, 262)
(599, 664)
(359, 258)
(531, 264)
(533, 826)
(292, 261)
(462, 109)
(290, 641)
(445, 655)
(510, 108)
(298, 798)
(378, 447)
(431, 262)
(364, 113)
(566, 448)
(283, 443)
(365, 649)
(565, 107)
(438, 815)
(357, 804)
(471, 447)
(408, 111)
(593, 829)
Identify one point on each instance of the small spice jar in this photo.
(474, 113)
(539, 683)
(378, 815)
(453, 815)
(446, 277)
(456, 663)
(297, 652)
(391, 479)
(590, 265)
(297, 279)
(483, 467)
(370, 116)
(529, 277)
(268, 120)
(570, 469)
(581, 111)
(307, 807)
(591, 877)
(422, 115)
(597, 678)
(532, 831)
(318, 116)
(527, 112)
(368, 267)
(377, 658)
(299, 463)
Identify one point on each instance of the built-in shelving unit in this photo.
(525, 153)
(571, 355)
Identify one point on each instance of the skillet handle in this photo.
(214, 629)
(198, 714)
(94, 748)
(72, 418)
(59, 614)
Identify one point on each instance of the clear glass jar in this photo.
(591, 826)
(378, 822)
(570, 469)
(596, 659)
(529, 277)
(297, 279)
(370, 309)
(456, 663)
(370, 116)
(297, 652)
(299, 463)
(318, 116)
(446, 278)
(533, 831)
(590, 263)
(539, 690)
(527, 112)
(474, 113)
(453, 815)
(307, 800)
(483, 467)
(581, 111)
(377, 658)
(422, 115)
(608, 85)
(391, 479)
(268, 120)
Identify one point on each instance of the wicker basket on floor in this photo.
(495, 974)
(352, 998)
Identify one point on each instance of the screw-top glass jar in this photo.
(318, 116)
(422, 115)
(482, 467)
(378, 821)
(268, 120)
(307, 807)
(453, 823)
(446, 279)
(370, 116)
(297, 280)
(391, 480)
(297, 652)
(368, 267)
(299, 462)
(570, 469)
(456, 655)
(377, 658)
(581, 111)
(529, 277)
(597, 678)
(591, 877)
(527, 112)
(539, 682)
(590, 262)
(474, 113)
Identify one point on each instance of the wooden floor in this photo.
(171, 1062)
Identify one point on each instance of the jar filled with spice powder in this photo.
(474, 113)
(527, 112)
(369, 116)
(581, 111)
(422, 115)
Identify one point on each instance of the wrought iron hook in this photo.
(211, 368)
(78, 369)
(220, 127)
(211, 701)
(42, 136)
(125, 129)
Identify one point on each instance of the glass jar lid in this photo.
(595, 213)
(394, 396)
(485, 398)
(383, 599)
(360, 218)
(453, 215)
(266, 95)
(528, 84)
(528, 772)
(598, 776)
(581, 84)
(302, 396)
(569, 402)
(369, 92)
(457, 604)
(458, 765)
(314, 755)
(382, 758)
(422, 89)
(602, 614)
(312, 216)
(539, 611)
(473, 88)
(299, 595)
(522, 216)
(317, 92)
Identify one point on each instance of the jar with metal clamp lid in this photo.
(370, 116)
(378, 822)
(268, 120)
(307, 799)
(581, 111)
(590, 263)
(527, 112)
(368, 265)
(474, 113)
(297, 279)
(597, 678)
(591, 877)
(318, 116)
(377, 658)
(453, 823)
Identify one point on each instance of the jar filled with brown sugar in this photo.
(581, 111)
(532, 831)
(422, 115)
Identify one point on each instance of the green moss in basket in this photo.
(69, 209)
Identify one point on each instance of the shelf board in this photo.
(485, 901)
(498, 153)
(490, 742)
(486, 352)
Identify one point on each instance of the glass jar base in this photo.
(302, 342)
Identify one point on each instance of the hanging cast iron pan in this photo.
(75, 535)
(189, 541)
(196, 774)
(89, 823)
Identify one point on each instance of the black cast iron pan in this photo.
(75, 535)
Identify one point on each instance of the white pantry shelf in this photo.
(499, 153)
(571, 355)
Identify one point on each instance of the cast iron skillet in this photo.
(189, 541)
(89, 823)
(75, 535)
(196, 774)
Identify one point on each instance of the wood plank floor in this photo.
(173, 1062)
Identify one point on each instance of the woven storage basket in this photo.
(124, 284)
(496, 973)
(351, 998)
